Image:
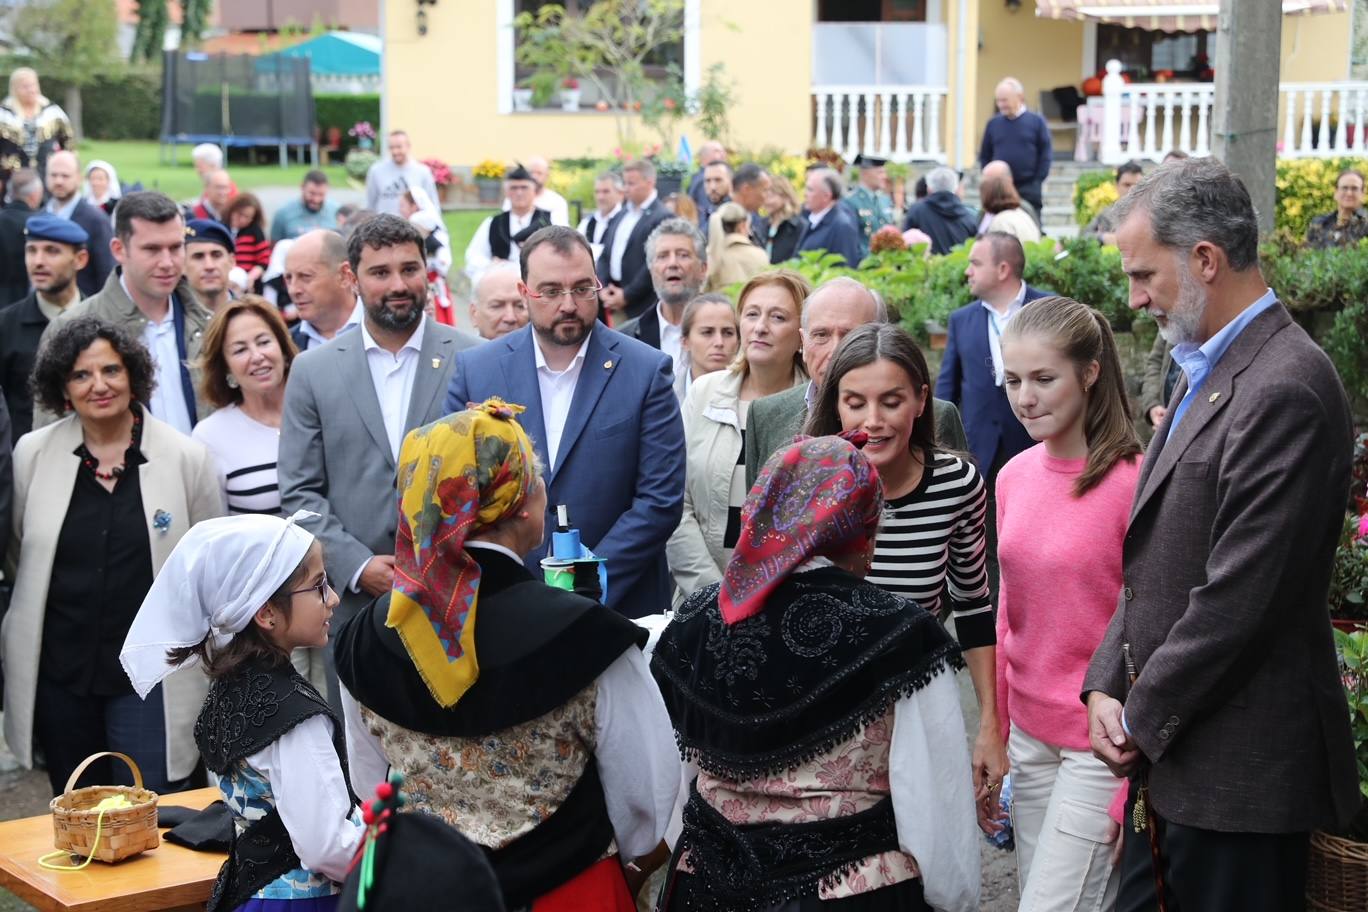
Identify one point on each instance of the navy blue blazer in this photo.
(966, 379)
(96, 224)
(621, 466)
(838, 232)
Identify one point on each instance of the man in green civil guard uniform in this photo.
(871, 202)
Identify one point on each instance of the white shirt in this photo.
(311, 795)
(634, 748)
(601, 221)
(815, 218)
(316, 338)
(168, 398)
(393, 379)
(996, 324)
(479, 255)
(624, 233)
(672, 340)
(557, 392)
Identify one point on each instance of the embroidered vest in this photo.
(501, 238)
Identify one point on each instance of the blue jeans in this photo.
(70, 727)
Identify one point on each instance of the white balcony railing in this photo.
(902, 123)
(1147, 121)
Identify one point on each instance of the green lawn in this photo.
(140, 161)
(461, 225)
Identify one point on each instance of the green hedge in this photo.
(341, 111)
(123, 105)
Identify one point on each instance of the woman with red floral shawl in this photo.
(832, 764)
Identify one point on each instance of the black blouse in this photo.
(101, 572)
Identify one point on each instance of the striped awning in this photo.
(1166, 15)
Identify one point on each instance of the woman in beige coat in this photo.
(738, 258)
(714, 411)
(100, 499)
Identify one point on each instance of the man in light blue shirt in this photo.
(312, 210)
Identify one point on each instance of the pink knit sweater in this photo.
(1061, 573)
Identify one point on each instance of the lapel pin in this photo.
(607, 365)
(436, 362)
(1213, 397)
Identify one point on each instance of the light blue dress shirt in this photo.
(1197, 361)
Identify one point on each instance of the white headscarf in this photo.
(217, 578)
(115, 191)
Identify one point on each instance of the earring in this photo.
(523, 515)
(231, 381)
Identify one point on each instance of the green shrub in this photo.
(1085, 271)
(1086, 203)
(341, 111)
(120, 105)
(1345, 346)
(1307, 279)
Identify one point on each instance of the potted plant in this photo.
(544, 85)
(570, 94)
(489, 181)
(363, 133)
(522, 96)
(441, 176)
(1337, 870)
(670, 174)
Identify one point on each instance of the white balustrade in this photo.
(901, 123)
(1149, 120)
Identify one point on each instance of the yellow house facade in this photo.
(913, 81)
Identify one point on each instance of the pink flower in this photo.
(836, 773)
(1363, 527)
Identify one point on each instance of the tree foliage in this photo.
(150, 36)
(70, 38)
(194, 17)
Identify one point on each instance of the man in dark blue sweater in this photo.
(1019, 137)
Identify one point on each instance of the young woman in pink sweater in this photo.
(1062, 510)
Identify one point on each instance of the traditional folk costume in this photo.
(821, 712)
(27, 142)
(552, 750)
(264, 731)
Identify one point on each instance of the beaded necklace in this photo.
(135, 440)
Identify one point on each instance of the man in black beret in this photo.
(499, 237)
(54, 252)
(209, 255)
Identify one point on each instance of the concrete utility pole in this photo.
(1245, 133)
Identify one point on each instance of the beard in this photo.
(564, 331)
(390, 319)
(686, 292)
(1186, 316)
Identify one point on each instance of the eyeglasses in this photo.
(321, 589)
(581, 293)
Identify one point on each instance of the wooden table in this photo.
(168, 877)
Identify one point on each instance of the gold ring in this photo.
(993, 785)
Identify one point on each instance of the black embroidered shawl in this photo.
(829, 654)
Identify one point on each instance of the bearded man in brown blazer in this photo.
(1236, 717)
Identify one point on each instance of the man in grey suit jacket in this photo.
(834, 309)
(348, 405)
(1236, 717)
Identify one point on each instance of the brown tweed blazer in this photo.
(1238, 705)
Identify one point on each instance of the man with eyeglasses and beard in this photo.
(348, 405)
(601, 410)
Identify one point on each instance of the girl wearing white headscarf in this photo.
(237, 595)
(103, 190)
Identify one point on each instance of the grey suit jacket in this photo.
(335, 457)
(775, 420)
(1238, 706)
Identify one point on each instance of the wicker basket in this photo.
(123, 832)
(1337, 874)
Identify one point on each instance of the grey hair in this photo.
(612, 177)
(677, 227)
(1014, 84)
(1195, 200)
(207, 152)
(24, 182)
(942, 180)
(880, 307)
(642, 166)
(832, 180)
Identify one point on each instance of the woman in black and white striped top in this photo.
(245, 360)
(932, 542)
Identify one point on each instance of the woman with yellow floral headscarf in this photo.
(523, 715)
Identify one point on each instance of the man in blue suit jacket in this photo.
(602, 412)
(829, 225)
(971, 371)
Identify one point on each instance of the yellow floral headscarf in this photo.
(458, 475)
